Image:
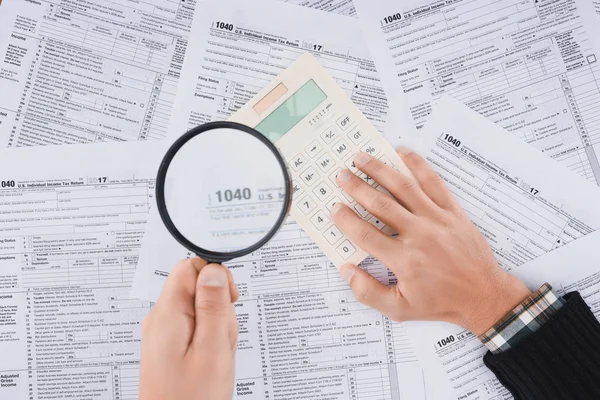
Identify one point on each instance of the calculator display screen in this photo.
(292, 111)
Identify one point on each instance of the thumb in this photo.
(369, 291)
(216, 325)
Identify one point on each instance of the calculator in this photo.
(318, 130)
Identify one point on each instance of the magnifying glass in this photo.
(223, 190)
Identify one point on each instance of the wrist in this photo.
(496, 302)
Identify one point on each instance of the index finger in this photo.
(179, 290)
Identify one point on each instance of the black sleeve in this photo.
(559, 361)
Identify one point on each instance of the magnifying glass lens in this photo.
(225, 190)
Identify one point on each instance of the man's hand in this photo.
(190, 336)
(446, 270)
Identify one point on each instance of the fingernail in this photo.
(404, 150)
(361, 159)
(214, 276)
(346, 273)
(336, 207)
(344, 176)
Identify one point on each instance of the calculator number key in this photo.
(319, 220)
(323, 191)
(333, 177)
(356, 135)
(325, 162)
(346, 249)
(344, 122)
(361, 211)
(306, 205)
(333, 235)
(348, 197)
(309, 176)
(313, 149)
(329, 134)
(341, 149)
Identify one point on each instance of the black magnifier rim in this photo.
(213, 256)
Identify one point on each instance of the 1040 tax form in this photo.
(70, 235)
(531, 66)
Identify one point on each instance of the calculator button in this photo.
(348, 197)
(313, 149)
(332, 202)
(296, 190)
(346, 249)
(325, 162)
(344, 122)
(351, 166)
(309, 176)
(371, 148)
(341, 149)
(323, 191)
(386, 161)
(319, 220)
(367, 179)
(361, 210)
(376, 223)
(333, 178)
(388, 230)
(329, 134)
(298, 162)
(356, 135)
(307, 205)
(333, 235)
(383, 190)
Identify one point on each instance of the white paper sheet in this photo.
(526, 205)
(80, 71)
(71, 223)
(571, 268)
(528, 65)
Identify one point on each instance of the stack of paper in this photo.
(78, 222)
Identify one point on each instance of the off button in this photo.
(344, 122)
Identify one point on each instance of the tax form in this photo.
(81, 71)
(524, 203)
(237, 54)
(528, 65)
(89, 71)
(71, 223)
